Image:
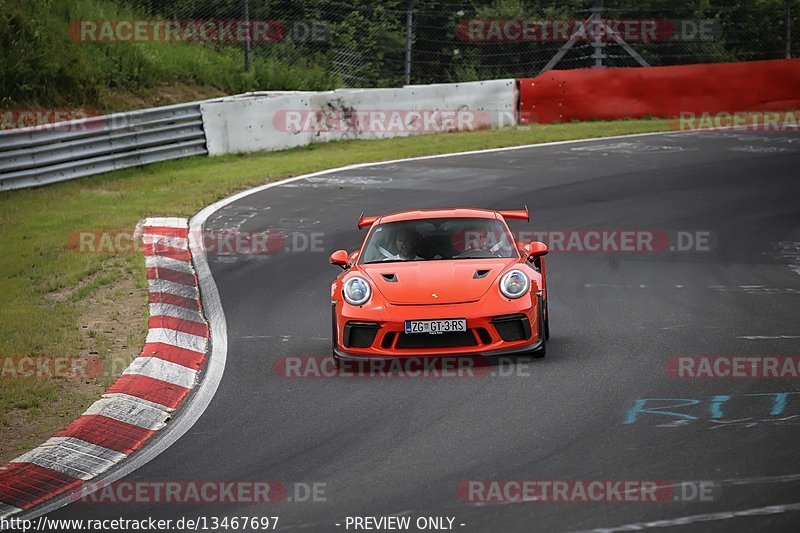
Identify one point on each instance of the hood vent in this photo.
(391, 278)
(479, 274)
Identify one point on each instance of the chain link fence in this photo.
(525, 39)
(387, 43)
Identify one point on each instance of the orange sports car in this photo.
(440, 282)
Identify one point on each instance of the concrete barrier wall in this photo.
(614, 93)
(275, 121)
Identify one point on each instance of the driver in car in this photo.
(405, 242)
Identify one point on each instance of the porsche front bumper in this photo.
(514, 327)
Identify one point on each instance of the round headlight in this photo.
(357, 291)
(514, 283)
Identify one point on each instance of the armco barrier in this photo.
(57, 152)
(258, 121)
(614, 93)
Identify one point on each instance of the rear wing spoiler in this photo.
(521, 214)
(365, 222)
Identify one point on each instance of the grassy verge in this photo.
(58, 302)
(42, 66)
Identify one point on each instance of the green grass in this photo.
(36, 224)
(40, 66)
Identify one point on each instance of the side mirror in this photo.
(533, 249)
(339, 257)
(538, 249)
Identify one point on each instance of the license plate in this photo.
(436, 327)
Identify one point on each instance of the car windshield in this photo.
(433, 239)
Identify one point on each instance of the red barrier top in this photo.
(614, 93)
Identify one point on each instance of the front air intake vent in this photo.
(388, 339)
(512, 327)
(484, 336)
(359, 334)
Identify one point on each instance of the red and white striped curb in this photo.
(143, 399)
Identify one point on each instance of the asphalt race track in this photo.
(385, 446)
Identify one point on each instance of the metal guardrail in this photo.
(66, 150)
